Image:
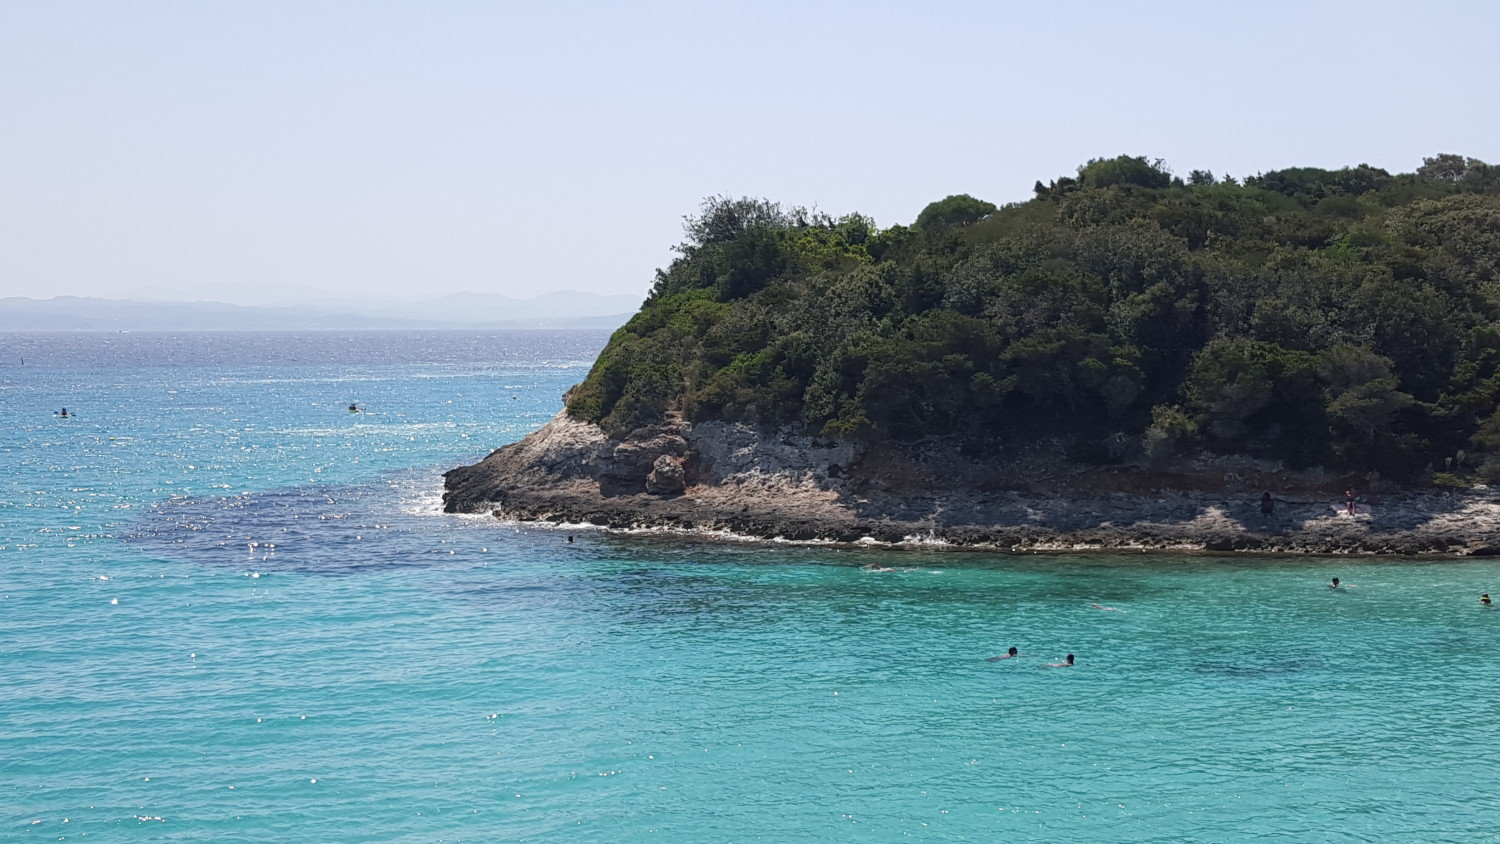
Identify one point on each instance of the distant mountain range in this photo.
(459, 310)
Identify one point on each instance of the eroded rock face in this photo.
(633, 461)
(561, 451)
(728, 451)
(722, 476)
(667, 477)
(665, 459)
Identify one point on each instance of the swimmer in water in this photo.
(1334, 584)
(570, 539)
(1484, 600)
(874, 567)
(1106, 609)
(1066, 663)
(1010, 654)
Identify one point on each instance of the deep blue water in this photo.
(230, 610)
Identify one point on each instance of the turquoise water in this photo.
(293, 644)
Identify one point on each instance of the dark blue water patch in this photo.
(317, 529)
(1255, 670)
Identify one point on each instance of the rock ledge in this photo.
(726, 477)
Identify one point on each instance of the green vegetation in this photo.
(1344, 318)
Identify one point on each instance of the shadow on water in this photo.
(654, 579)
(325, 530)
(1262, 666)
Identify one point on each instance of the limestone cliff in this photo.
(674, 473)
(720, 476)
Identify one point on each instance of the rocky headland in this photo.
(1128, 360)
(722, 477)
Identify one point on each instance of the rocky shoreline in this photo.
(718, 477)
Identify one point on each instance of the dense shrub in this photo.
(1346, 318)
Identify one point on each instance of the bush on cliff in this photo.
(1345, 318)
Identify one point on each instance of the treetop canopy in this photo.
(1346, 318)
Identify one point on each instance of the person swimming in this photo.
(1066, 663)
(1010, 654)
(1484, 600)
(1334, 584)
(1106, 609)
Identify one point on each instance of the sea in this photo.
(233, 610)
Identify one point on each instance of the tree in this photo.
(1446, 167)
(1361, 392)
(1244, 391)
(1343, 317)
(1310, 184)
(1125, 170)
(954, 211)
(723, 219)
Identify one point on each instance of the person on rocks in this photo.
(1349, 500)
(1267, 504)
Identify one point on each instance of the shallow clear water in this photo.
(293, 644)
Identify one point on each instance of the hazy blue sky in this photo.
(405, 149)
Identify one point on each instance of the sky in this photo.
(273, 151)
